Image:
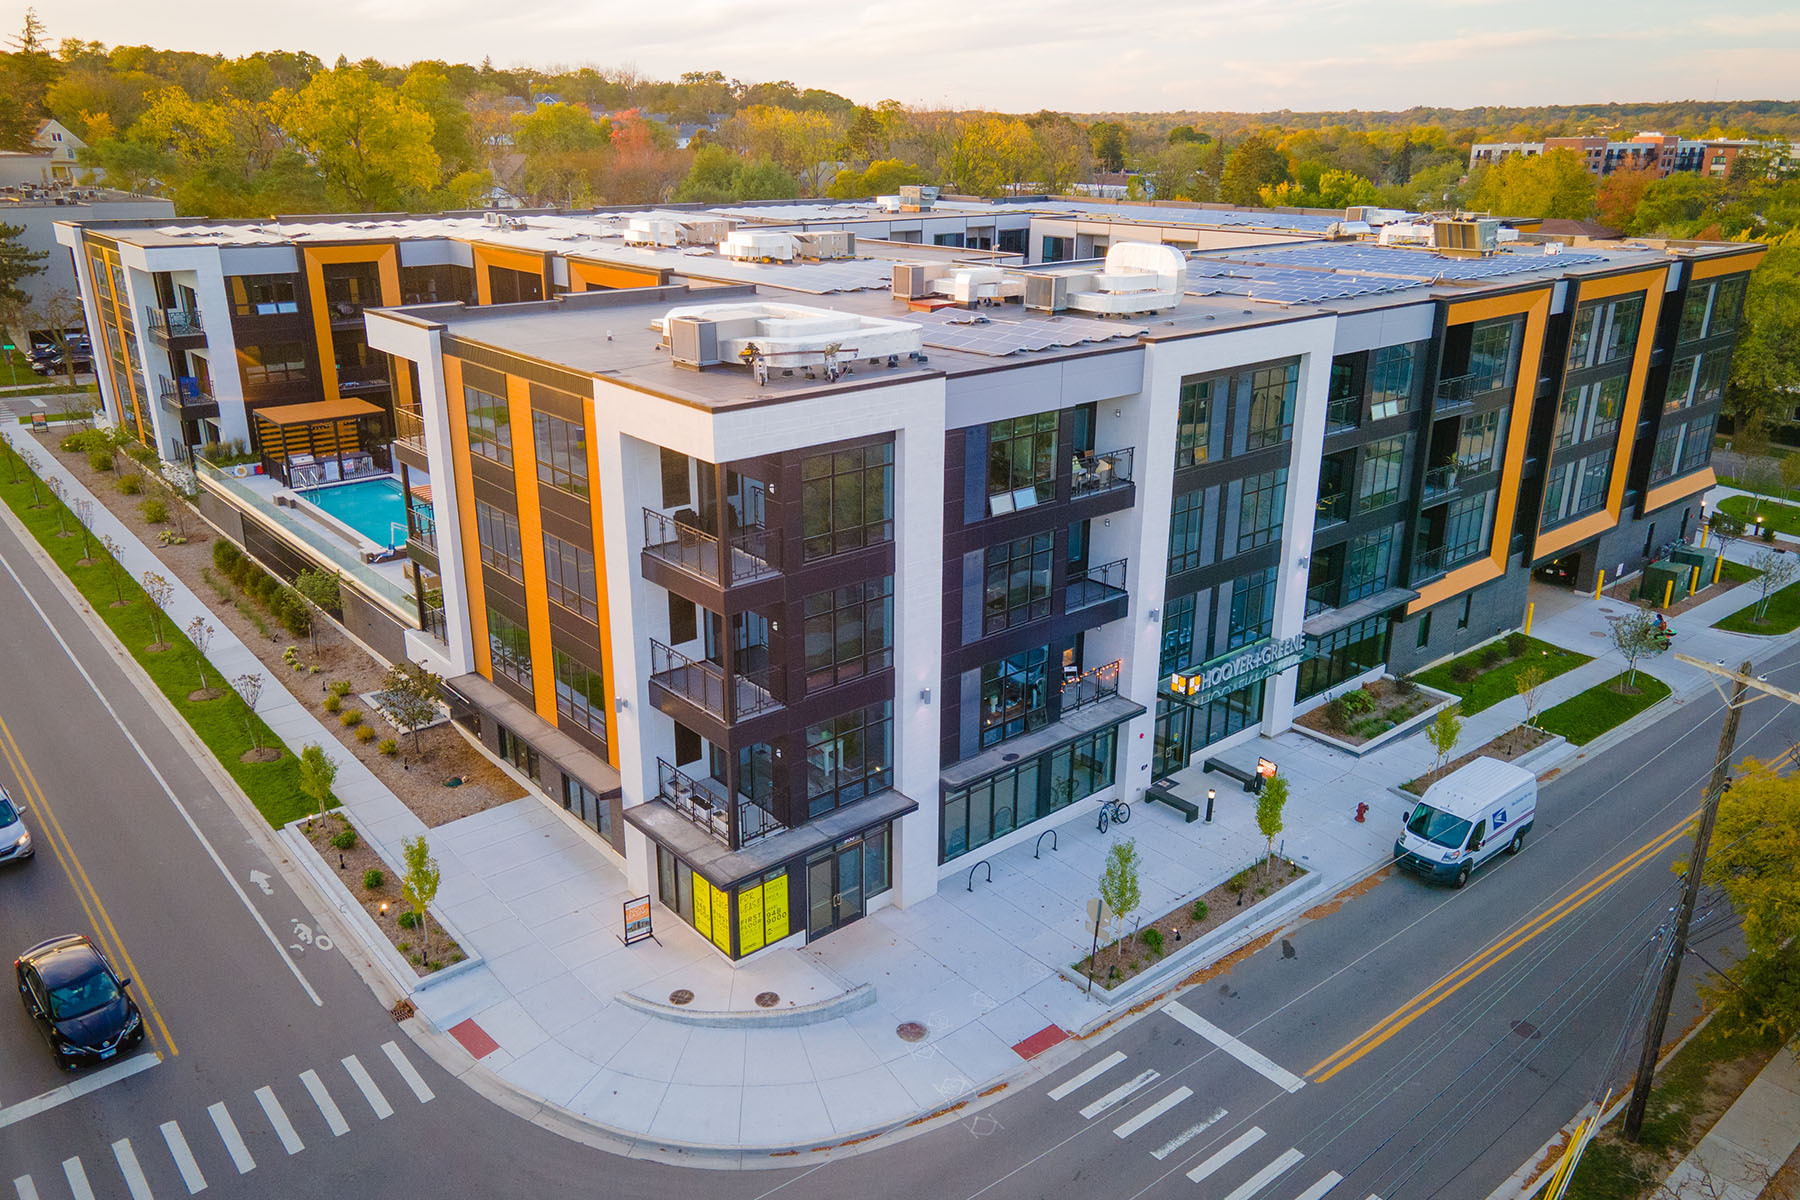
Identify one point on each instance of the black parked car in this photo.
(77, 1001)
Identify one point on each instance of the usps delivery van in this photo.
(1466, 818)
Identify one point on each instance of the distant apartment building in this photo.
(805, 575)
(1663, 153)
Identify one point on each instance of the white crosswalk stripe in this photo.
(413, 1079)
(1266, 1176)
(1154, 1111)
(27, 1190)
(1187, 1135)
(1088, 1076)
(128, 1167)
(327, 1106)
(371, 1093)
(1261, 1064)
(1318, 1190)
(1241, 1143)
(284, 1128)
(184, 1158)
(77, 1177)
(234, 1141)
(1143, 1080)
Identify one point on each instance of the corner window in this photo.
(1021, 463)
(1272, 394)
(849, 632)
(848, 757)
(1393, 372)
(1194, 422)
(561, 453)
(847, 500)
(1017, 583)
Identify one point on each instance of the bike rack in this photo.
(1048, 833)
(990, 875)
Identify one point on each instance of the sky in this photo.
(1023, 55)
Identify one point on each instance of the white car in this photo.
(15, 839)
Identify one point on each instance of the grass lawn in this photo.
(1781, 616)
(1585, 717)
(1737, 572)
(273, 787)
(1782, 518)
(1491, 685)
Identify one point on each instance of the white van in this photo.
(1465, 819)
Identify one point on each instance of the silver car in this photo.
(15, 839)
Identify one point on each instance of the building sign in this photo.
(1239, 669)
(750, 919)
(637, 919)
(775, 908)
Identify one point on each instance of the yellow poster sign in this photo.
(703, 906)
(775, 909)
(721, 920)
(750, 919)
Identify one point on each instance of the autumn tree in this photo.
(371, 144)
(564, 150)
(1107, 140)
(1254, 164)
(884, 177)
(1755, 860)
(1620, 193)
(18, 262)
(1554, 184)
(990, 156)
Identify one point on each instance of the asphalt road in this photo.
(1378, 1044)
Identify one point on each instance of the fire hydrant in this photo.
(1362, 810)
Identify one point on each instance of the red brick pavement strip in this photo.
(474, 1038)
(1041, 1041)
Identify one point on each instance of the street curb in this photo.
(857, 998)
(1552, 752)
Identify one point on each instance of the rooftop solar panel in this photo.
(1416, 264)
(998, 338)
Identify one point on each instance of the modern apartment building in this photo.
(803, 592)
(1664, 153)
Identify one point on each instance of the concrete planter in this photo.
(1411, 725)
(1537, 760)
(859, 997)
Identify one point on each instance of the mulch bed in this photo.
(1627, 592)
(1514, 743)
(356, 861)
(1394, 704)
(1133, 954)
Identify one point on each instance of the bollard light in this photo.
(1211, 795)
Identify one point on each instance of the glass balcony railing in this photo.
(752, 554)
(362, 377)
(421, 526)
(704, 804)
(1333, 508)
(1091, 474)
(1096, 585)
(1462, 391)
(1091, 687)
(1343, 414)
(1321, 598)
(1441, 481)
(1428, 564)
(705, 685)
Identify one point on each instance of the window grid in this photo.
(490, 425)
(1478, 441)
(580, 692)
(510, 646)
(1259, 518)
(1194, 423)
(847, 500)
(849, 631)
(1367, 564)
(1391, 378)
(569, 577)
(1015, 696)
(1252, 608)
(1379, 482)
(1177, 634)
(1463, 527)
(1017, 582)
(497, 535)
(1272, 394)
(561, 453)
(848, 757)
(1187, 518)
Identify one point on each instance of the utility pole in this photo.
(1690, 894)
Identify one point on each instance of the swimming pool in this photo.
(372, 507)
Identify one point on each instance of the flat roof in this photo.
(314, 411)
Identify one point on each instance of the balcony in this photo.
(168, 325)
(1428, 564)
(1440, 482)
(704, 685)
(362, 377)
(344, 313)
(1342, 415)
(421, 526)
(703, 803)
(435, 623)
(1090, 687)
(1462, 391)
(409, 429)
(1091, 474)
(189, 395)
(748, 555)
(1322, 597)
(1096, 585)
(1333, 507)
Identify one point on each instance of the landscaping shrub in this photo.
(389, 747)
(332, 702)
(1491, 658)
(1463, 672)
(373, 878)
(1153, 940)
(225, 555)
(1358, 702)
(365, 733)
(1335, 714)
(291, 611)
(1407, 687)
(1516, 644)
(154, 510)
(142, 453)
(408, 920)
(1198, 912)
(345, 838)
(129, 485)
(100, 460)
(86, 441)
(340, 687)
(350, 718)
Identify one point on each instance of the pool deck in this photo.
(263, 489)
(366, 540)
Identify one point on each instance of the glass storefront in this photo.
(1343, 655)
(1183, 728)
(995, 805)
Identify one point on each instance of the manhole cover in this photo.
(1526, 1029)
(910, 1031)
(767, 999)
(681, 996)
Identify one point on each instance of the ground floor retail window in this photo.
(593, 809)
(1343, 655)
(997, 804)
(1183, 728)
(757, 911)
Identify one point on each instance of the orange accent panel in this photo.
(605, 609)
(584, 276)
(1535, 305)
(530, 262)
(1679, 489)
(531, 547)
(1712, 268)
(386, 258)
(1575, 531)
(465, 517)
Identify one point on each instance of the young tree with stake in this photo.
(114, 568)
(200, 635)
(1778, 569)
(160, 591)
(62, 512)
(84, 516)
(1269, 804)
(250, 688)
(1443, 731)
(321, 592)
(1636, 636)
(318, 770)
(409, 699)
(419, 886)
(1119, 885)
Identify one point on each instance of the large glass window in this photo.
(1378, 483)
(1680, 392)
(1187, 522)
(1272, 394)
(1608, 406)
(561, 453)
(497, 536)
(1556, 491)
(1623, 318)
(1668, 452)
(580, 692)
(1177, 634)
(569, 577)
(1709, 380)
(1252, 608)
(849, 631)
(1464, 525)
(847, 500)
(1017, 582)
(1698, 450)
(1392, 380)
(1728, 306)
(278, 362)
(848, 757)
(1344, 655)
(1590, 489)
(1478, 441)
(1693, 312)
(510, 646)
(1581, 334)
(1259, 519)
(490, 425)
(1021, 462)
(995, 805)
(1491, 350)
(262, 295)
(1015, 695)
(1194, 424)
(1368, 564)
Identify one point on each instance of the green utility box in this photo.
(1704, 557)
(1657, 578)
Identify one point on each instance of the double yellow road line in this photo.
(1450, 984)
(51, 831)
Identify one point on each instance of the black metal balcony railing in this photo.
(362, 376)
(1461, 391)
(174, 322)
(1333, 508)
(704, 684)
(185, 392)
(1096, 585)
(1441, 481)
(1091, 474)
(704, 804)
(752, 553)
(1321, 597)
(1090, 687)
(421, 526)
(436, 623)
(1343, 414)
(1429, 564)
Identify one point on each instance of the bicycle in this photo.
(1114, 812)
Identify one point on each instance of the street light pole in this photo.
(1690, 894)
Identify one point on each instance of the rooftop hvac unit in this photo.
(693, 342)
(920, 196)
(1466, 238)
(826, 244)
(1047, 293)
(495, 220)
(910, 282)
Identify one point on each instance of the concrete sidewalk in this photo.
(1742, 1152)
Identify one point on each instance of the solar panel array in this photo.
(1416, 264)
(1160, 215)
(1277, 285)
(997, 339)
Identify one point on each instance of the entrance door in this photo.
(834, 894)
